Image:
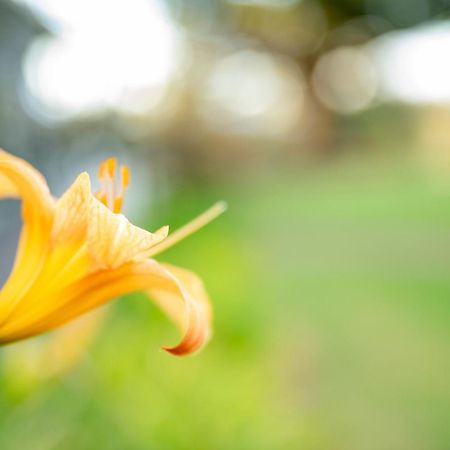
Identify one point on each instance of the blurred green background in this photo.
(325, 125)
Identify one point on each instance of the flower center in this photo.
(112, 191)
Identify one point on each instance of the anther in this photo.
(124, 176)
(111, 164)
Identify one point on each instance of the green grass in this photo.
(331, 292)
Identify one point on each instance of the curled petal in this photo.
(26, 178)
(191, 311)
(7, 188)
(20, 179)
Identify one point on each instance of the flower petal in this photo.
(113, 240)
(180, 293)
(191, 311)
(11, 188)
(19, 179)
(67, 259)
(71, 212)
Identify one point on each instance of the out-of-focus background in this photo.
(326, 127)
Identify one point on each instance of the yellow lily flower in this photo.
(77, 252)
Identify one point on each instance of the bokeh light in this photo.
(345, 80)
(252, 91)
(413, 65)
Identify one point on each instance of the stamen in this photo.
(111, 164)
(125, 176)
(108, 194)
(118, 203)
(107, 167)
(190, 228)
(124, 182)
(101, 170)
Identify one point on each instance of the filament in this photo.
(190, 228)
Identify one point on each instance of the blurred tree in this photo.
(398, 13)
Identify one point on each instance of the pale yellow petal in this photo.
(113, 240)
(71, 212)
